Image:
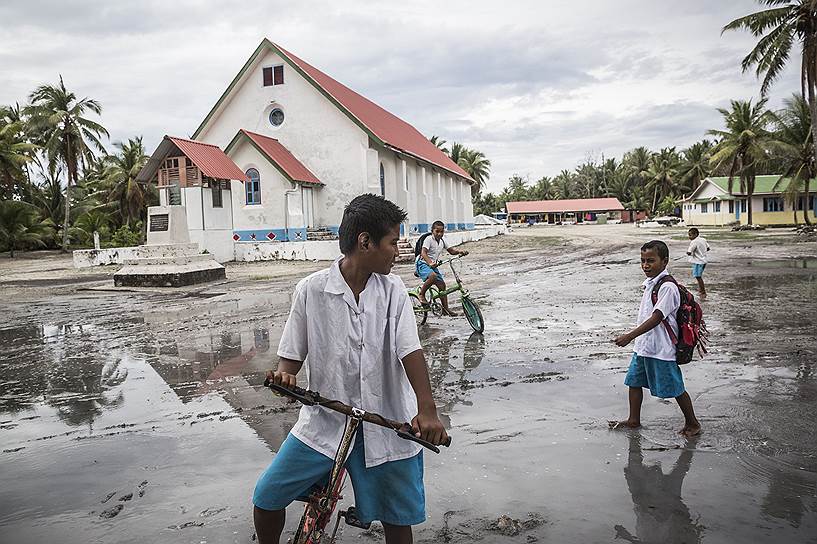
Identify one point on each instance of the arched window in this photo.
(253, 186)
(382, 181)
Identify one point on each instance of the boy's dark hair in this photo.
(694, 231)
(660, 248)
(368, 213)
(437, 223)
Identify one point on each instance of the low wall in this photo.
(84, 258)
(329, 250)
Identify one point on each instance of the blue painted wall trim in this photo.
(270, 235)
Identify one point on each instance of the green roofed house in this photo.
(712, 203)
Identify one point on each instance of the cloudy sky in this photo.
(538, 86)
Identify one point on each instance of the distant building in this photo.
(712, 203)
(304, 145)
(577, 210)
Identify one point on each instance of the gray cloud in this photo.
(532, 84)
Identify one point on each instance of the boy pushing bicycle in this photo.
(354, 328)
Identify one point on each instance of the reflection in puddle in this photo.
(660, 512)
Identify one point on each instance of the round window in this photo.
(276, 117)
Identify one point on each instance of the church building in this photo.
(287, 147)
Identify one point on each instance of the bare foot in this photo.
(690, 430)
(449, 313)
(626, 424)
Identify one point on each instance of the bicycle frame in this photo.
(320, 506)
(454, 288)
(318, 510)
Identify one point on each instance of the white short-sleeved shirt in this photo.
(352, 353)
(697, 250)
(435, 248)
(657, 343)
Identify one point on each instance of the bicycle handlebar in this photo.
(446, 261)
(312, 398)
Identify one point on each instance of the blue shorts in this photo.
(391, 493)
(423, 270)
(698, 270)
(663, 378)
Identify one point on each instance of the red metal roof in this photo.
(570, 205)
(280, 155)
(388, 127)
(210, 159)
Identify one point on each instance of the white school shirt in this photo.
(697, 250)
(657, 343)
(352, 353)
(435, 248)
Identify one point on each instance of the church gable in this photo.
(275, 66)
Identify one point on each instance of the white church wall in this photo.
(317, 133)
(329, 250)
(269, 220)
(209, 227)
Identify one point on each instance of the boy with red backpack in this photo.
(670, 327)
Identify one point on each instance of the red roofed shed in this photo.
(558, 211)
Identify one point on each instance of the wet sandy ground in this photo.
(138, 416)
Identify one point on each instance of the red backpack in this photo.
(692, 333)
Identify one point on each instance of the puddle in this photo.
(806, 263)
(140, 418)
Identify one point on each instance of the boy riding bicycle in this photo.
(353, 326)
(426, 263)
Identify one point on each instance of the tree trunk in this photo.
(655, 200)
(812, 106)
(68, 163)
(806, 203)
(750, 189)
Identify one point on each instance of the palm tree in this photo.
(639, 201)
(793, 144)
(119, 176)
(621, 185)
(66, 135)
(15, 153)
(49, 198)
(695, 165)
(477, 166)
(663, 174)
(90, 222)
(565, 185)
(636, 164)
(457, 151)
(543, 189)
(785, 23)
(742, 147)
(20, 225)
(440, 143)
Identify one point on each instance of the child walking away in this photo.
(353, 327)
(698, 247)
(654, 364)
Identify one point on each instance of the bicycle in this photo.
(321, 504)
(433, 295)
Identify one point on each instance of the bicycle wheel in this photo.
(315, 519)
(433, 294)
(420, 313)
(473, 314)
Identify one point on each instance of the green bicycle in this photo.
(433, 296)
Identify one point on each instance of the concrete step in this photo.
(180, 260)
